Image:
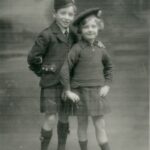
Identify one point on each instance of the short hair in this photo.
(98, 21)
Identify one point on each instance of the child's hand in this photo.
(104, 90)
(72, 96)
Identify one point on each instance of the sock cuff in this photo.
(83, 145)
(46, 134)
(86, 141)
(105, 146)
(105, 143)
(63, 124)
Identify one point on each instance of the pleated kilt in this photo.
(91, 103)
(50, 101)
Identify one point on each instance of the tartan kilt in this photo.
(67, 107)
(50, 99)
(91, 103)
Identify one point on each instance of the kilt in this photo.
(50, 99)
(91, 103)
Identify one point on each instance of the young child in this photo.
(45, 59)
(90, 75)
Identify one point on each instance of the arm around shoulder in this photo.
(66, 69)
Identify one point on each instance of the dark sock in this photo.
(62, 132)
(45, 138)
(83, 145)
(105, 146)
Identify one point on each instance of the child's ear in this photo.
(101, 25)
(54, 14)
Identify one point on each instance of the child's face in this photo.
(65, 16)
(90, 29)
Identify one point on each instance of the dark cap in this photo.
(58, 4)
(92, 11)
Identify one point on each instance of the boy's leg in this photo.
(62, 131)
(46, 131)
(101, 135)
(82, 131)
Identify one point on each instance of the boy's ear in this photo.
(54, 14)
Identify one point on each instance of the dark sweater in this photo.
(87, 65)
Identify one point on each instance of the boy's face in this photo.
(90, 29)
(65, 16)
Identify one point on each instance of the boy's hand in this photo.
(104, 90)
(72, 96)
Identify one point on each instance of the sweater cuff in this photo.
(65, 83)
(67, 87)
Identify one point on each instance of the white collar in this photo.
(63, 30)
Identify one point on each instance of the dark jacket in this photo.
(49, 52)
(89, 65)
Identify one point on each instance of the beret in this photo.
(92, 11)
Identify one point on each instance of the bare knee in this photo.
(51, 118)
(99, 123)
(83, 122)
(100, 130)
(49, 122)
(82, 128)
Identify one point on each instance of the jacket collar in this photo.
(62, 29)
(57, 31)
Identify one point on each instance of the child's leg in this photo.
(62, 131)
(82, 131)
(101, 135)
(46, 131)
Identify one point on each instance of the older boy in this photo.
(46, 59)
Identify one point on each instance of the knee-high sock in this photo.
(105, 146)
(62, 132)
(45, 139)
(83, 145)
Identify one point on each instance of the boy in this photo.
(46, 59)
(91, 74)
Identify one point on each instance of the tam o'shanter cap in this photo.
(92, 11)
(62, 3)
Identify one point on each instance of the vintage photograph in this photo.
(74, 74)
